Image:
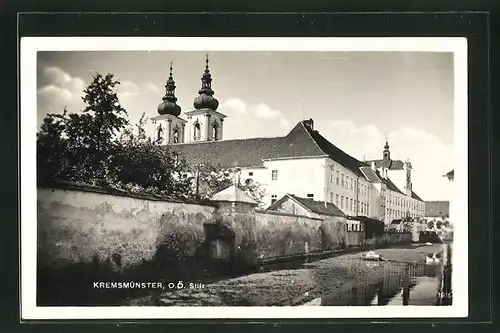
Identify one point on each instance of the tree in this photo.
(430, 225)
(103, 118)
(79, 146)
(51, 148)
(439, 224)
(143, 165)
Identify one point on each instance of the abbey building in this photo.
(302, 163)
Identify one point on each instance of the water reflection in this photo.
(398, 284)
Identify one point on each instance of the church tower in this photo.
(408, 184)
(204, 122)
(386, 159)
(168, 127)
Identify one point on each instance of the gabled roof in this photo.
(297, 143)
(393, 164)
(450, 175)
(300, 142)
(370, 174)
(317, 207)
(334, 152)
(415, 196)
(390, 185)
(233, 194)
(227, 153)
(437, 208)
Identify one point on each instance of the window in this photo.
(274, 197)
(342, 180)
(352, 184)
(349, 227)
(367, 208)
(337, 200)
(342, 202)
(310, 196)
(250, 173)
(331, 197)
(274, 175)
(351, 205)
(337, 178)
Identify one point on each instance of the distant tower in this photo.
(168, 127)
(408, 184)
(386, 159)
(386, 152)
(204, 122)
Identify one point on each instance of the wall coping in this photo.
(271, 212)
(71, 186)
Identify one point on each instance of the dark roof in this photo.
(334, 152)
(437, 208)
(396, 222)
(372, 176)
(390, 185)
(450, 175)
(317, 207)
(393, 164)
(227, 153)
(415, 196)
(297, 143)
(301, 141)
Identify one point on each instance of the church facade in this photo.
(302, 163)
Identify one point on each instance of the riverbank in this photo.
(292, 286)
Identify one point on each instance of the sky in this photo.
(357, 99)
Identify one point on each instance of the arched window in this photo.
(176, 135)
(197, 131)
(215, 131)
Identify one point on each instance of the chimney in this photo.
(309, 123)
(373, 166)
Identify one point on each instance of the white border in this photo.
(459, 204)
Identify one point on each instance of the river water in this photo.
(426, 283)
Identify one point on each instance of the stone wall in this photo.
(357, 238)
(84, 226)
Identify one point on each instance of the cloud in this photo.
(62, 90)
(152, 88)
(126, 90)
(234, 106)
(430, 157)
(250, 120)
(264, 111)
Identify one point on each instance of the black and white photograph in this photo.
(243, 177)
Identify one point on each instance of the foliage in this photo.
(98, 146)
(430, 225)
(79, 146)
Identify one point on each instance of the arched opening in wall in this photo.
(197, 131)
(215, 132)
(176, 135)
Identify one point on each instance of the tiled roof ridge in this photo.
(230, 140)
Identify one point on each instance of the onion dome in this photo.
(169, 106)
(386, 147)
(206, 100)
